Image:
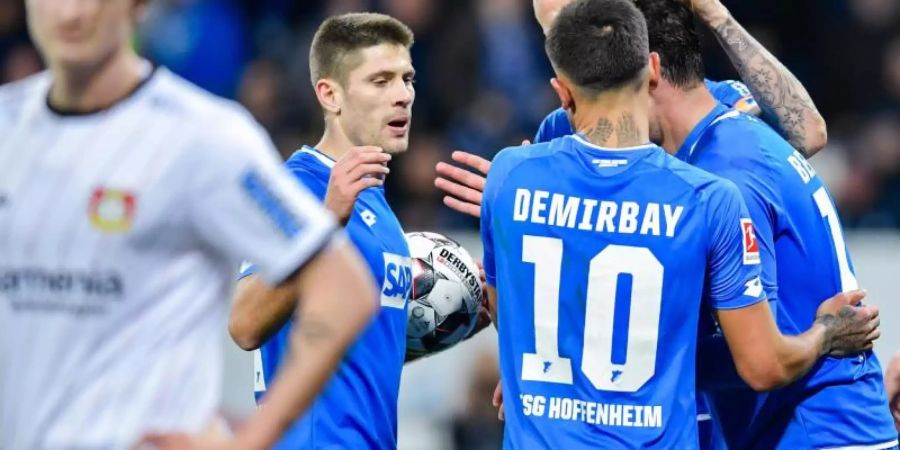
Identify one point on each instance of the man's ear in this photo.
(564, 93)
(655, 70)
(330, 95)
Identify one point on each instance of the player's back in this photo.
(600, 260)
(842, 400)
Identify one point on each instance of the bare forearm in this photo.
(780, 94)
(798, 354)
(259, 311)
(336, 285)
(316, 349)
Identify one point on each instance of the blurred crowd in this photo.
(482, 80)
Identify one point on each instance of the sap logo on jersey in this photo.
(397, 280)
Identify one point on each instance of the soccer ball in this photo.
(446, 293)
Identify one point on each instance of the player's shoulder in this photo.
(197, 105)
(556, 116)
(692, 176)
(26, 87)
(695, 179)
(213, 123)
(512, 157)
(309, 162)
(744, 137)
(556, 124)
(14, 95)
(511, 160)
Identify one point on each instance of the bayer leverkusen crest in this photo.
(750, 244)
(111, 210)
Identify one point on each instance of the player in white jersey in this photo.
(127, 199)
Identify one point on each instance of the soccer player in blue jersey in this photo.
(362, 74)
(783, 103)
(811, 241)
(841, 403)
(620, 248)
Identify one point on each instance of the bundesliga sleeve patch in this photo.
(751, 245)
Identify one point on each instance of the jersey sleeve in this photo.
(247, 207)
(555, 125)
(744, 164)
(733, 266)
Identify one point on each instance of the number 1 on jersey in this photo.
(826, 208)
(546, 364)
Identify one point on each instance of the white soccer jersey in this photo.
(120, 235)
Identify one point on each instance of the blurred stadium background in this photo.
(482, 85)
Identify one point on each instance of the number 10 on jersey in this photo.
(546, 364)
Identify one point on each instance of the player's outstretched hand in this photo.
(360, 168)
(498, 401)
(464, 187)
(892, 386)
(849, 328)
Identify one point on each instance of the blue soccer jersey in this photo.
(841, 403)
(358, 408)
(730, 93)
(600, 258)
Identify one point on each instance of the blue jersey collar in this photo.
(326, 160)
(687, 147)
(583, 141)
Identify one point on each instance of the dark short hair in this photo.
(599, 44)
(674, 36)
(336, 42)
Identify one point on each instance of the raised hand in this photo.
(360, 168)
(464, 187)
(849, 328)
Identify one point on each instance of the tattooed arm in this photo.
(779, 93)
(767, 359)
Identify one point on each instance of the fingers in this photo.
(853, 298)
(526, 142)
(361, 155)
(474, 161)
(873, 331)
(497, 401)
(360, 171)
(459, 191)
(463, 207)
(365, 183)
(461, 176)
(356, 159)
